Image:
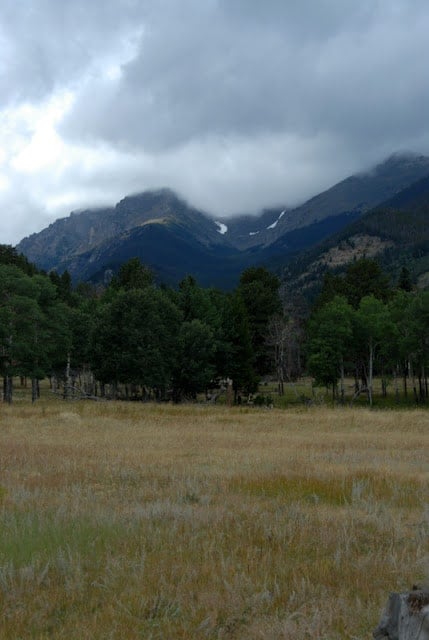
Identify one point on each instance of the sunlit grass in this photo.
(126, 520)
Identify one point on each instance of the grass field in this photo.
(126, 520)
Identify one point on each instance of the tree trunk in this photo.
(342, 382)
(231, 393)
(114, 388)
(421, 391)
(357, 383)
(370, 372)
(7, 389)
(68, 383)
(34, 385)
(395, 378)
(406, 369)
(280, 374)
(426, 382)
(413, 381)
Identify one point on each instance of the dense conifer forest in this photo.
(139, 340)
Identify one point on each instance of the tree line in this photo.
(363, 327)
(140, 340)
(135, 339)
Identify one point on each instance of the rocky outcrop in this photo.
(406, 617)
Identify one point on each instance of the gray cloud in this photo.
(236, 105)
(47, 44)
(226, 69)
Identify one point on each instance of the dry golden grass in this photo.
(141, 521)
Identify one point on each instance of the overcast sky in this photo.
(236, 104)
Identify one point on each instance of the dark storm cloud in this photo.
(236, 104)
(205, 68)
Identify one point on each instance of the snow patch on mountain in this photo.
(222, 227)
(275, 223)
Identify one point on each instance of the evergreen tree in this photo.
(235, 356)
(418, 343)
(10, 256)
(132, 274)
(63, 285)
(363, 277)
(259, 290)
(194, 369)
(404, 282)
(330, 337)
(135, 339)
(33, 327)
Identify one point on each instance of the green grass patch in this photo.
(26, 537)
(333, 490)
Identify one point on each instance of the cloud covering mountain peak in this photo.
(232, 104)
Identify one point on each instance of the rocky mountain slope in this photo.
(351, 197)
(174, 238)
(395, 232)
(85, 232)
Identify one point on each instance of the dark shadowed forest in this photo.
(138, 340)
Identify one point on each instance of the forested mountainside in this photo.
(169, 250)
(175, 239)
(395, 232)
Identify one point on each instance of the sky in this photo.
(235, 104)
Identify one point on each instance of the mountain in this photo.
(395, 232)
(175, 239)
(83, 231)
(247, 231)
(87, 243)
(351, 197)
(168, 249)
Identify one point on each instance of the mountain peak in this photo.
(86, 243)
(151, 197)
(400, 161)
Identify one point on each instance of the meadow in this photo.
(131, 520)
